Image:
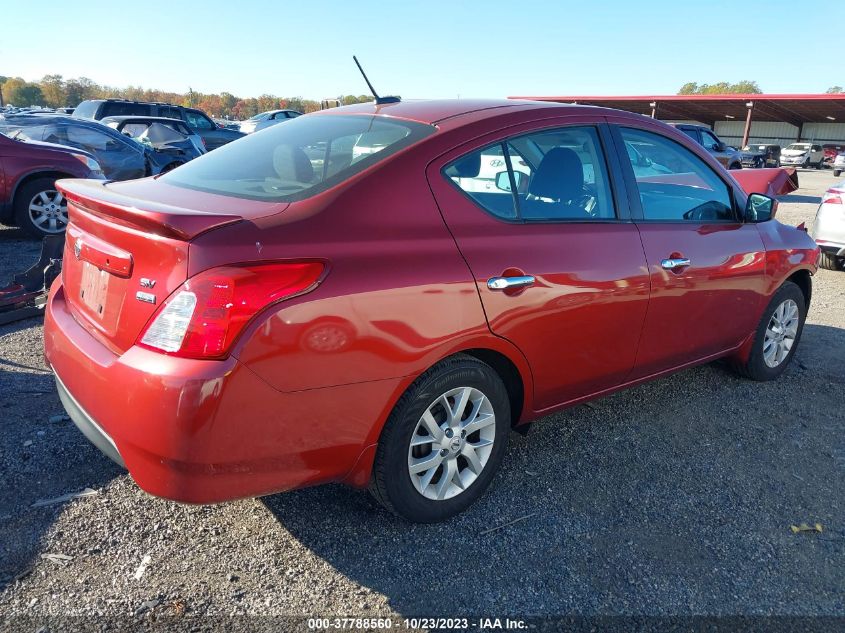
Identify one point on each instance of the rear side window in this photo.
(674, 184)
(554, 175)
(120, 108)
(691, 132)
(299, 159)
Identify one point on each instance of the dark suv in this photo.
(212, 135)
(704, 136)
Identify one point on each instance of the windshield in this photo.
(259, 117)
(798, 146)
(296, 160)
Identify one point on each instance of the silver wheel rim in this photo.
(48, 211)
(452, 443)
(780, 333)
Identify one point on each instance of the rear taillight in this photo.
(207, 313)
(832, 197)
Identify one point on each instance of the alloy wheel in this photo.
(780, 333)
(452, 443)
(48, 211)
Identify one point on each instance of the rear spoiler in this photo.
(773, 182)
(93, 196)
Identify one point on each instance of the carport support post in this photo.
(653, 105)
(747, 132)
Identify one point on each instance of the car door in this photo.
(120, 157)
(547, 236)
(206, 129)
(707, 268)
(715, 147)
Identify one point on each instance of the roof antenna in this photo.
(379, 100)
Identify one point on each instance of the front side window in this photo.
(297, 160)
(674, 184)
(709, 141)
(554, 175)
(198, 121)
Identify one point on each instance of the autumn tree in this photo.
(20, 93)
(744, 87)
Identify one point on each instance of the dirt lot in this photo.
(672, 498)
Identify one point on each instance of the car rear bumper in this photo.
(206, 431)
(85, 423)
(829, 228)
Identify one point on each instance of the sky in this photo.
(431, 49)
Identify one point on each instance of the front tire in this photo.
(836, 173)
(443, 442)
(777, 335)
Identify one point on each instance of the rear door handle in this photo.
(674, 263)
(505, 283)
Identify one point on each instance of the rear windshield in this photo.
(299, 159)
(86, 109)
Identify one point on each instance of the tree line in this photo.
(744, 87)
(54, 91)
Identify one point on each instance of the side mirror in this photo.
(720, 147)
(759, 208)
(503, 181)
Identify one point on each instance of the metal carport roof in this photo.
(792, 108)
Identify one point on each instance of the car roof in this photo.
(141, 117)
(435, 111)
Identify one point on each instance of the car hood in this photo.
(794, 152)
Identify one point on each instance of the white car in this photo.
(267, 119)
(838, 164)
(802, 155)
(829, 228)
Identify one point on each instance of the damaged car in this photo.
(173, 141)
(121, 157)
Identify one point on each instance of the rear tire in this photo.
(40, 209)
(777, 335)
(829, 261)
(401, 482)
(836, 173)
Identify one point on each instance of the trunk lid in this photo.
(127, 247)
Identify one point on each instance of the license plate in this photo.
(94, 288)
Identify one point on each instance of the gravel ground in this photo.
(674, 498)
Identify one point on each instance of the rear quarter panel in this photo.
(788, 250)
(397, 298)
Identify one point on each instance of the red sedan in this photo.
(377, 295)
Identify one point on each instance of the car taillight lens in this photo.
(832, 197)
(204, 317)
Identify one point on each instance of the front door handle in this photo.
(507, 283)
(675, 263)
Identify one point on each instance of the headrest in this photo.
(292, 164)
(467, 167)
(560, 175)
